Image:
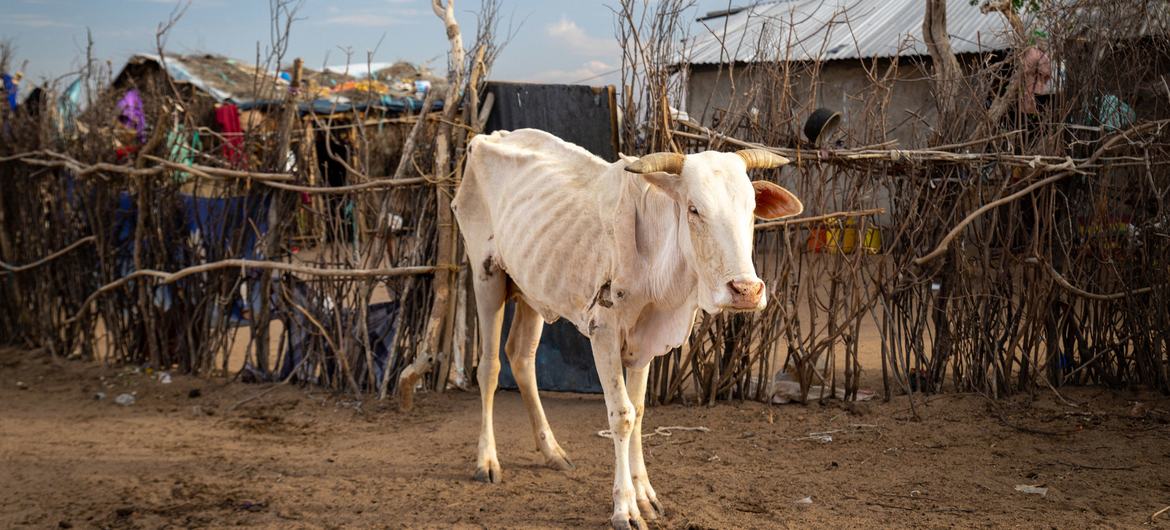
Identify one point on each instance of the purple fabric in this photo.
(133, 115)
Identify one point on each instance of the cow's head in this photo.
(717, 207)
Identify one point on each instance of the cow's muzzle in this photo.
(746, 295)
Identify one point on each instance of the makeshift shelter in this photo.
(831, 48)
(237, 101)
(794, 68)
(831, 53)
(214, 91)
(206, 83)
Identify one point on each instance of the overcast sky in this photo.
(562, 41)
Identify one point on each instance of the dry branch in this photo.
(32, 265)
(819, 218)
(1067, 169)
(1039, 163)
(164, 277)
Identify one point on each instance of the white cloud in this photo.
(589, 73)
(372, 18)
(29, 20)
(362, 20)
(570, 34)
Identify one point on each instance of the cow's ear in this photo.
(667, 182)
(774, 202)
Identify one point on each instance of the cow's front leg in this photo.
(644, 493)
(607, 357)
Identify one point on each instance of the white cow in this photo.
(629, 259)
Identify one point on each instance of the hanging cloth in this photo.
(1113, 114)
(131, 113)
(11, 88)
(69, 105)
(181, 148)
(228, 118)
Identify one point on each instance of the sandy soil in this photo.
(254, 456)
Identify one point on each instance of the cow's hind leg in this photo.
(490, 292)
(523, 338)
(647, 499)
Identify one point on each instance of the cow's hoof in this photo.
(651, 508)
(559, 460)
(658, 508)
(489, 473)
(624, 522)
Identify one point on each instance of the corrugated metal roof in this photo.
(224, 79)
(810, 30)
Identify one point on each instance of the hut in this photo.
(205, 83)
(223, 104)
(829, 51)
(233, 106)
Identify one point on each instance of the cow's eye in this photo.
(693, 210)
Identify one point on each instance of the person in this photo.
(1037, 82)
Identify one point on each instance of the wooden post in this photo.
(947, 72)
(471, 117)
(280, 203)
(380, 247)
(8, 255)
(150, 332)
(444, 189)
(947, 75)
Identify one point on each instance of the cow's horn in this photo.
(761, 158)
(655, 162)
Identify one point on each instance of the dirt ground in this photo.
(201, 453)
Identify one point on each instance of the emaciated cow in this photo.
(628, 252)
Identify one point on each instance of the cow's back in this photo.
(531, 205)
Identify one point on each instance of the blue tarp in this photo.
(302, 336)
(217, 222)
(328, 106)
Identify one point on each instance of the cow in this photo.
(629, 252)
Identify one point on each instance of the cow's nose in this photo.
(750, 289)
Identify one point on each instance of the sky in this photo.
(555, 41)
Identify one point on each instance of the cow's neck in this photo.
(668, 279)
